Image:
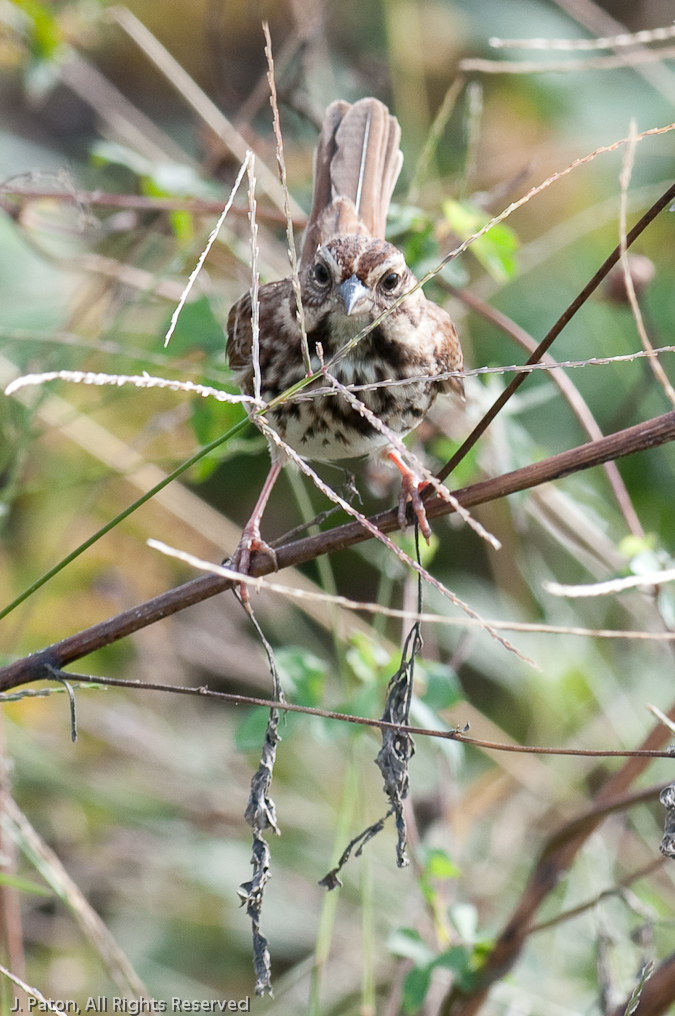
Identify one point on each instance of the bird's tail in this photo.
(356, 167)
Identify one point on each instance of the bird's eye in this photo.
(390, 281)
(321, 274)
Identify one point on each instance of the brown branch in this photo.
(555, 859)
(194, 206)
(652, 433)
(564, 319)
(625, 442)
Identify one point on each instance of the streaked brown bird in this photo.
(349, 275)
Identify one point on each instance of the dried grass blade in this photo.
(624, 180)
(292, 255)
(118, 380)
(116, 963)
(405, 615)
(604, 63)
(246, 165)
(611, 586)
(45, 1004)
(606, 42)
(200, 102)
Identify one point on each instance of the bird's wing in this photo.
(274, 304)
(448, 351)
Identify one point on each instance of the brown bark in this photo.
(650, 434)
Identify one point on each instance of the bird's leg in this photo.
(251, 540)
(411, 485)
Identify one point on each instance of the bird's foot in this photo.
(411, 487)
(251, 543)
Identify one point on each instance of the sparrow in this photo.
(349, 276)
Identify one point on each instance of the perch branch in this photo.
(649, 434)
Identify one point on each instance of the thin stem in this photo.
(193, 206)
(568, 915)
(364, 721)
(324, 937)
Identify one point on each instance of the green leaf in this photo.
(646, 561)
(197, 328)
(464, 917)
(453, 272)
(457, 959)
(365, 701)
(46, 31)
(203, 419)
(402, 219)
(302, 675)
(182, 224)
(408, 942)
(438, 864)
(420, 247)
(481, 951)
(415, 988)
(442, 686)
(251, 730)
(666, 604)
(209, 419)
(166, 179)
(104, 153)
(413, 230)
(442, 448)
(205, 468)
(41, 77)
(367, 658)
(632, 546)
(495, 250)
(158, 179)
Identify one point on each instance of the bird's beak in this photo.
(353, 293)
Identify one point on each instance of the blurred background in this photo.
(145, 810)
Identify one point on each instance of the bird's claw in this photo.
(251, 543)
(411, 488)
